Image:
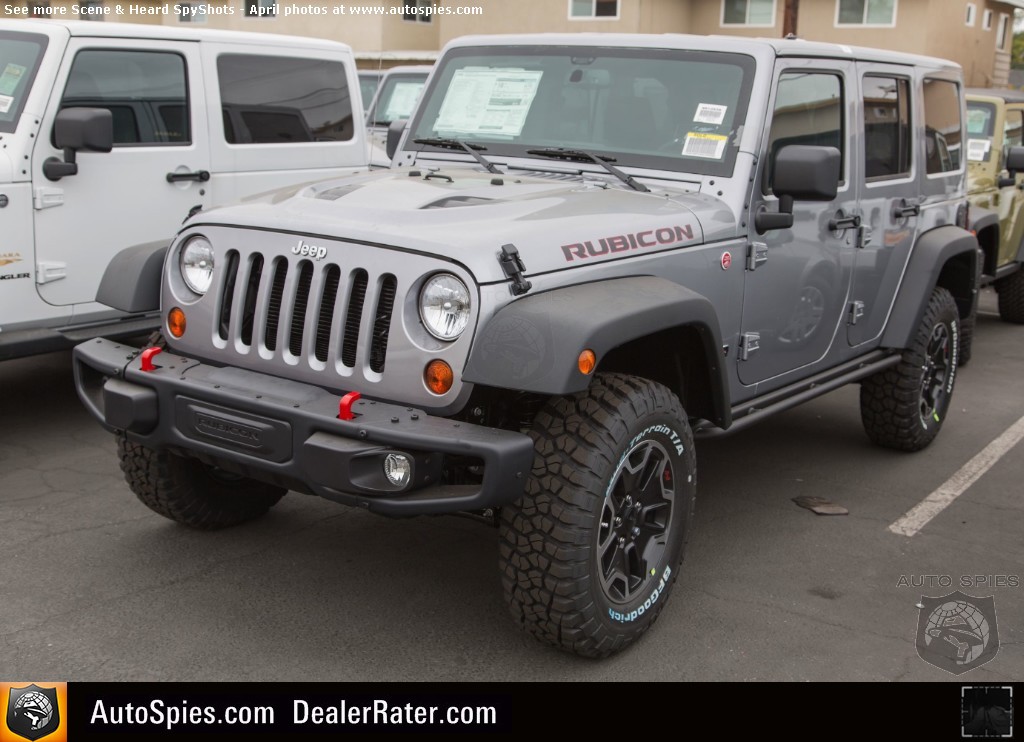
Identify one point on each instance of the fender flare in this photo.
(533, 344)
(930, 256)
(131, 281)
(980, 218)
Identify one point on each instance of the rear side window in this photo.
(146, 93)
(886, 127)
(808, 110)
(19, 59)
(1012, 129)
(283, 100)
(942, 125)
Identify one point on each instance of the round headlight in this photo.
(444, 306)
(197, 264)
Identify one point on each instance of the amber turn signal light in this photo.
(439, 377)
(176, 322)
(586, 362)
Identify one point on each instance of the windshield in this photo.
(20, 54)
(368, 82)
(665, 109)
(396, 98)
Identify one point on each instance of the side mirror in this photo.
(395, 131)
(800, 173)
(1015, 164)
(79, 129)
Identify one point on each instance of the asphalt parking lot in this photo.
(96, 587)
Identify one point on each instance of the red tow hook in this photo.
(147, 358)
(345, 406)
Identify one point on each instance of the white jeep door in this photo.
(141, 190)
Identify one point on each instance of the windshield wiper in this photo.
(579, 155)
(473, 149)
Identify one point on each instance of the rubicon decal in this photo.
(625, 242)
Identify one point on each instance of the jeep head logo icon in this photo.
(32, 711)
(957, 632)
(317, 252)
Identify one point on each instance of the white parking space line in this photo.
(918, 517)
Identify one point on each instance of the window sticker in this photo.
(977, 120)
(709, 113)
(488, 101)
(402, 100)
(10, 78)
(709, 146)
(5, 103)
(977, 149)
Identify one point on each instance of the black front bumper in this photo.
(289, 433)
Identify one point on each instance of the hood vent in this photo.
(450, 201)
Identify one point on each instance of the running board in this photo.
(1003, 272)
(755, 410)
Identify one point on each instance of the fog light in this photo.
(176, 322)
(398, 469)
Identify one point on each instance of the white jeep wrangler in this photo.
(112, 134)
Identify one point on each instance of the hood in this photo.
(556, 220)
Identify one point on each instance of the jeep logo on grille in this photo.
(306, 250)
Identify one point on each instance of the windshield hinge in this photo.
(513, 266)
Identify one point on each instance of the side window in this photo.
(145, 91)
(282, 100)
(808, 110)
(942, 126)
(886, 127)
(1013, 128)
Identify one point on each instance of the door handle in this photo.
(839, 222)
(903, 210)
(200, 176)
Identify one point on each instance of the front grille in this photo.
(314, 312)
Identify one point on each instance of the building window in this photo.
(866, 12)
(942, 126)
(90, 10)
(39, 9)
(191, 12)
(582, 10)
(748, 12)
(886, 127)
(972, 12)
(1001, 31)
(986, 20)
(260, 8)
(416, 10)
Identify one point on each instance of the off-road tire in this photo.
(554, 581)
(190, 492)
(967, 337)
(1011, 297)
(904, 406)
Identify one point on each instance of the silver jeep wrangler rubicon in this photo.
(589, 248)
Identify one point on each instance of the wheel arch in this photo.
(641, 325)
(946, 256)
(131, 281)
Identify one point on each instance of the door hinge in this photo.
(862, 237)
(750, 342)
(50, 270)
(856, 311)
(45, 197)
(757, 253)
